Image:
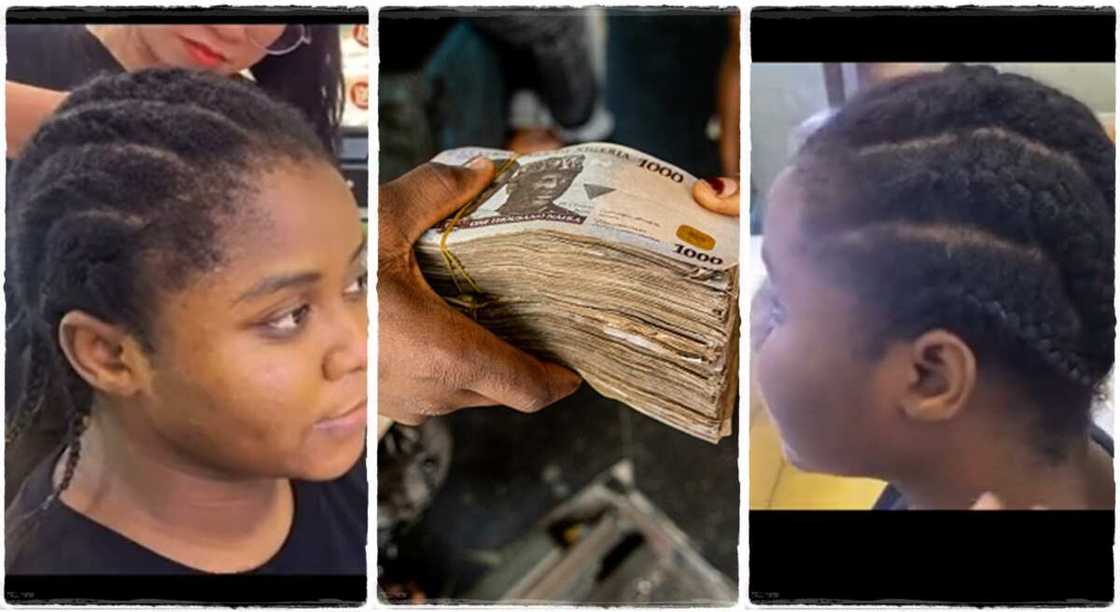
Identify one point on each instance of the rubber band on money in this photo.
(471, 300)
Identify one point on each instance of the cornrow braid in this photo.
(982, 203)
(120, 195)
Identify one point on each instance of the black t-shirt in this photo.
(59, 57)
(892, 499)
(328, 534)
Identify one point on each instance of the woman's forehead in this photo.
(297, 217)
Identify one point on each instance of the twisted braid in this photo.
(121, 194)
(994, 196)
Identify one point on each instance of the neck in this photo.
(1020, 477)
(125, 45)
(124, 477)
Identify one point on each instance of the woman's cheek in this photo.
(772, 372)
(782, 381)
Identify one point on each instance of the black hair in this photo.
(982, 203)
(124, 193)
(310, 78)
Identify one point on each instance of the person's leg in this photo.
(470, 104)
(406, 137)
(457, 99)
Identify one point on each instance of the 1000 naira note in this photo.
(604, 191)
(596, 256)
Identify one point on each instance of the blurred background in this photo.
(587, 500)
(787, 102)
(354, 149)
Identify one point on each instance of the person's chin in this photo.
(793, 458)
(332, 465)
(816, 466)
(799, 461)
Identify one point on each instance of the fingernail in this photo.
(723, 187)
(478, 162)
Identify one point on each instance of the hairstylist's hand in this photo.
(721, 195)
(433, 359)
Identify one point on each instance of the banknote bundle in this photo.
(596, 256)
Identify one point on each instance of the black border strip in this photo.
(217, 14)
(841, 34)
(1040, 558)
(413, 12)
(298, 591)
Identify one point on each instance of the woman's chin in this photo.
(323, 469)
(793, 458)
(799, 461)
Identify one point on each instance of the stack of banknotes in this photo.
(596, 256)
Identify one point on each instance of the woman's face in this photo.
(259, 367)
(825, 395)
(224, 49)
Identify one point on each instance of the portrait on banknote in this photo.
(530, 191)
(536, 186)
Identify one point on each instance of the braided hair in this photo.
(981, 203)
(121, 195)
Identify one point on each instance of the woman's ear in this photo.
(107, 357)
(942, 377)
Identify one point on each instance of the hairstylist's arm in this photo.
(721, 194)
(727, 101)
(433, 360)
(27, 107)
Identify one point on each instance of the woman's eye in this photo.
(291, 320)
(359, 285)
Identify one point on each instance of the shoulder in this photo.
(35, 532)
(1101, 437)
(329, 533)
(52, 539)
(890, 499)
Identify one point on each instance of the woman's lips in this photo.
(354, 418)
(202, 54)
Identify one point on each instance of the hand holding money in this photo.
(434, 360)
(596, 256)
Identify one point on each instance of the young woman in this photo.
(190, 264)
(296, 63)
(940, 307)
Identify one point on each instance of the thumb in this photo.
(415, 202)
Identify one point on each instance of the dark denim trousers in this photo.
(457, 99)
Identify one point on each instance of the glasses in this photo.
(264, 37)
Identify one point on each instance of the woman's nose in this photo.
(233, 34)
(348, 353)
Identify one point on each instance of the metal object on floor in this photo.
(412, 464)
(606, 545)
